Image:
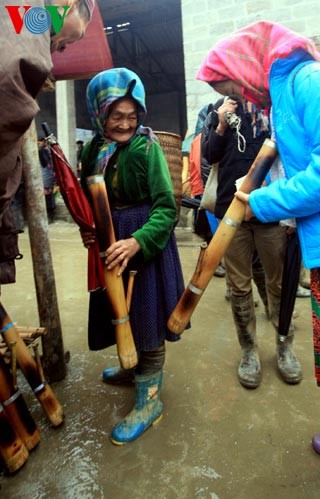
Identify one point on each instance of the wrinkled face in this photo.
(228, 87)
(73, 28)
(122, 120)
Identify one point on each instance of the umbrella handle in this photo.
(48, 134)
(46, 128)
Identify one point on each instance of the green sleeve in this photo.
(154, 234)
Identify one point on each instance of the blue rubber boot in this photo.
(118, 376)
(146, 412)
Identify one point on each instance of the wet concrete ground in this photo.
(216, 439)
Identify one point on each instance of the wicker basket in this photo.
(171, 146)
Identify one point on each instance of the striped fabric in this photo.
(246, 56)
(108, 86)
(315, 302)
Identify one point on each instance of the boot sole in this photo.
(250, 384)
(246, 384)
(291, 381)
(120, 444)
(127, 382)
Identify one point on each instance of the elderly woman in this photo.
(270, 65)
(143, 209)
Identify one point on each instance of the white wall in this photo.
(206, 21)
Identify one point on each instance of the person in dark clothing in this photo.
(79, 144)
(205, 221)
(48, 177)
(233, 134)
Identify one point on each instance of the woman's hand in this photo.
(120, 252)
(88, 238)
(244, 198)
(230, 106)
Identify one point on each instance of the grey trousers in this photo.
(270, 241)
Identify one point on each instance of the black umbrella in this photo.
(290, 282)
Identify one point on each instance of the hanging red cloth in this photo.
(78, 207)
(87, 57)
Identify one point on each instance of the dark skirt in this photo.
(157, 289)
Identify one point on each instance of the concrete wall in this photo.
(206, 21)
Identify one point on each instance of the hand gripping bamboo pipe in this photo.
(114, 283)
(211, 257)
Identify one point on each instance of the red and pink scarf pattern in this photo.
(246, 56)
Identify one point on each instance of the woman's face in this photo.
(122, 120)
(228, 87)
(73, 28)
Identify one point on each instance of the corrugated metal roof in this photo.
(146, 36)
(151, 45)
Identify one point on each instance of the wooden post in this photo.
(52, 344)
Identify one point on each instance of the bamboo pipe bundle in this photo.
(15, 407)
(28, 366)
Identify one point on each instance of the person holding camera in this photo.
(232, 136)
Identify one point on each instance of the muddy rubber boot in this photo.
(304, 278)
(288, 364)
(303, 292)
(146, 412)
(220, 270)
(249, 371)
(118, 376)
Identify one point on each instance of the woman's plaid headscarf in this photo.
(103, 90)
(246, 56)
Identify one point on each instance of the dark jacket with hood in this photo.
(233, 164)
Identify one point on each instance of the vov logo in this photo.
(37, 20)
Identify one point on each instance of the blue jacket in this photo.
(295, 95)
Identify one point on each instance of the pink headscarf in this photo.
(246, 56)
